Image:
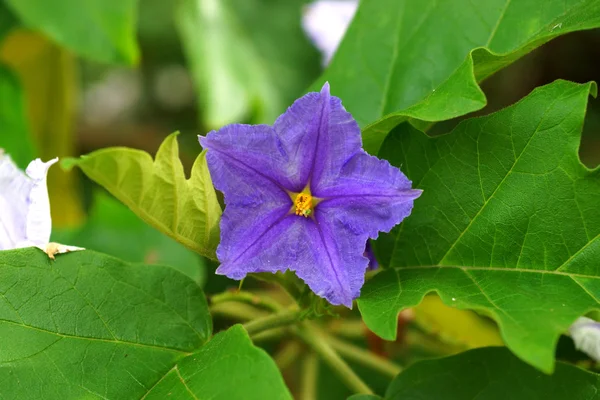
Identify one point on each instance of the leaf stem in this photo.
(310, 373)
(247, 298)
(364, 357)
(273, 321)
(315, 340)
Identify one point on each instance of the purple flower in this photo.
(303, 195)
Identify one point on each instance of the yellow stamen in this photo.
(303, 204)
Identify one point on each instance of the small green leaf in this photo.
(158, 192)
(249, 58)
(228, 367)
(490, 373)
(508, 223)
(90, 326)
(424, 59)
(102, 30)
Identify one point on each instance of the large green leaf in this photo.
(508, 223)
(491, 373)
(249, 58)
(102, 30)
(424, 59)
(14, 133)
(112, 228)
(158, 192)
(91, 326)
(228, 367)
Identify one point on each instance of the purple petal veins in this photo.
(313, 148)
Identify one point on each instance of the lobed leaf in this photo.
(507, 224)
(90, 326)
(158, 192)
(102, 30)
(431, 55)
(490, 373)
(228, 367)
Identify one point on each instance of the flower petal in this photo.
(369, 195)
(14, 190)
(24, 205)
(321, 253)
(326, 22)
(254, 198)
(254, 150)
(320, 136)
(39, 221)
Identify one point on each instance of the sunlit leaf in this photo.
(424, 59)
(508, 223)
(491, 373)
(228, 367)
(102, 30)
(91, 326)
(158, 192)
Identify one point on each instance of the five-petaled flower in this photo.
(303, 195)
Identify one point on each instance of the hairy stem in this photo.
(310, 373)
(247, 298)
(273, 321)
(365, 357)
(315, 340)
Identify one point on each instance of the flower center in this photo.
(303, 204)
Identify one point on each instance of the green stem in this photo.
(237, 311)
(310, 373)
(365, 357)
(273, 321)
(247, 298)
(319, 344)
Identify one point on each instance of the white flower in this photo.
(25, 207)
(325, 22)
(586, 335)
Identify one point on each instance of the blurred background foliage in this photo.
(128, 74)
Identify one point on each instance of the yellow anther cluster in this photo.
(303, 204)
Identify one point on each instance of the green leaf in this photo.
(490, 373)
(158, 192)
(102, 30)
(91, 326)
(14, 138)
(508, 223)
(112, 228)
(424, 59)
(228, 367)
(249, 58)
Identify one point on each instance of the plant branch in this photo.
(364, 357)
(247, 298)
(315, 340)
(273, 321)
(310, 373)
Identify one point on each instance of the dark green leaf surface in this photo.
(249, 58)
(91, 326)
(508, 223)
(113, 229)
(159, 193)
(423, 59)
(102, 30)
(228, 367)
(14, 135)
(493, 374)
